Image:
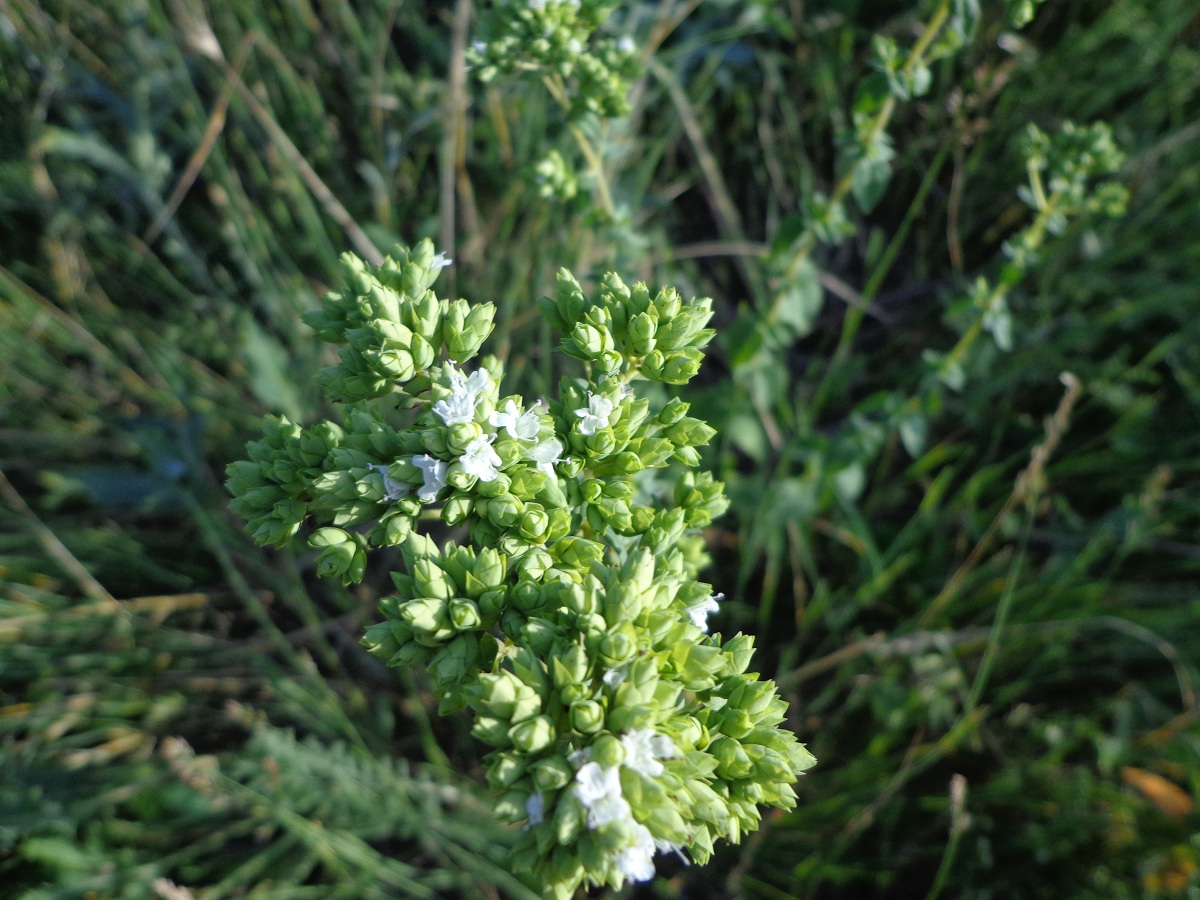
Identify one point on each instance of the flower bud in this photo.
(640, 331)
(667, 303)
(681, 367)
(654, 452)
(570, 667)
(578, 553)
(496, 694)
(510, 807)
(690, 432)
(492, 603)
(733, 762)
(587, 716)
(459, 436)
(380, 640)
(494, 488)
(503, 511)
(735, 722)
(428, 617)
(753, 696)
(607, 751)
(457, 509)
(592, 490)
(541, 636)
(464, 614)
(674, 410)
(739, 649)
(632, 718)
(430, 580)
(396, 530)
(618, 645)
(602, 443)
(534, 523)
(588, 341)
(505, 769)
(560, 524)
(570, 466)
(552, 773)
(492, 731)
(528, 597)
(532, 735)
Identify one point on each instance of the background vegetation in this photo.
(985, 617)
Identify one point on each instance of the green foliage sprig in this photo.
(571, 622)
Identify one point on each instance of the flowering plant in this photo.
(570, 620)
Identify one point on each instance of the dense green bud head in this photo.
(570, 623)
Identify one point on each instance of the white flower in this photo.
(440, 261)
(474, 384)
(595, 414)
(459, 407)
(644, 747)
(535, 808)
(479, 47)
(480, 460)
(575, 46)
(392, 490)
(523, 427)
(625, 44)
(546, 454)
(698, 611)
(434, 472)
(599, 790)
(637, 862)
(613, 678)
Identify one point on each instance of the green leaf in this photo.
(799, 302)
(744, 339)
(913, 431)
(869, 179)
(269, 366)
(964, 18)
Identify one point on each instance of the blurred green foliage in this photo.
(177, 180)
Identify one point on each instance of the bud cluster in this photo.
(556, 39)
(569, 621)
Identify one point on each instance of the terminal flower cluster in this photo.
(549, 584)
(557, 39)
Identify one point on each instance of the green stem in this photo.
(856, 312)
(595, 164)
(1002, 611)
(807, 241)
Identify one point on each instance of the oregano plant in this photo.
(551, 552)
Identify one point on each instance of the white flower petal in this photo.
(637, 862)
(434, 472)
(644, 747)
(546, 454)
(535, 808)
(480, 460)
(614, 678)
(699, 611)
(392, 490)
(595, 415)
(599, 790)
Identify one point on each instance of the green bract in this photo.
(571, 623)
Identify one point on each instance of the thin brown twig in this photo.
(208, 140)
(1030, 485)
